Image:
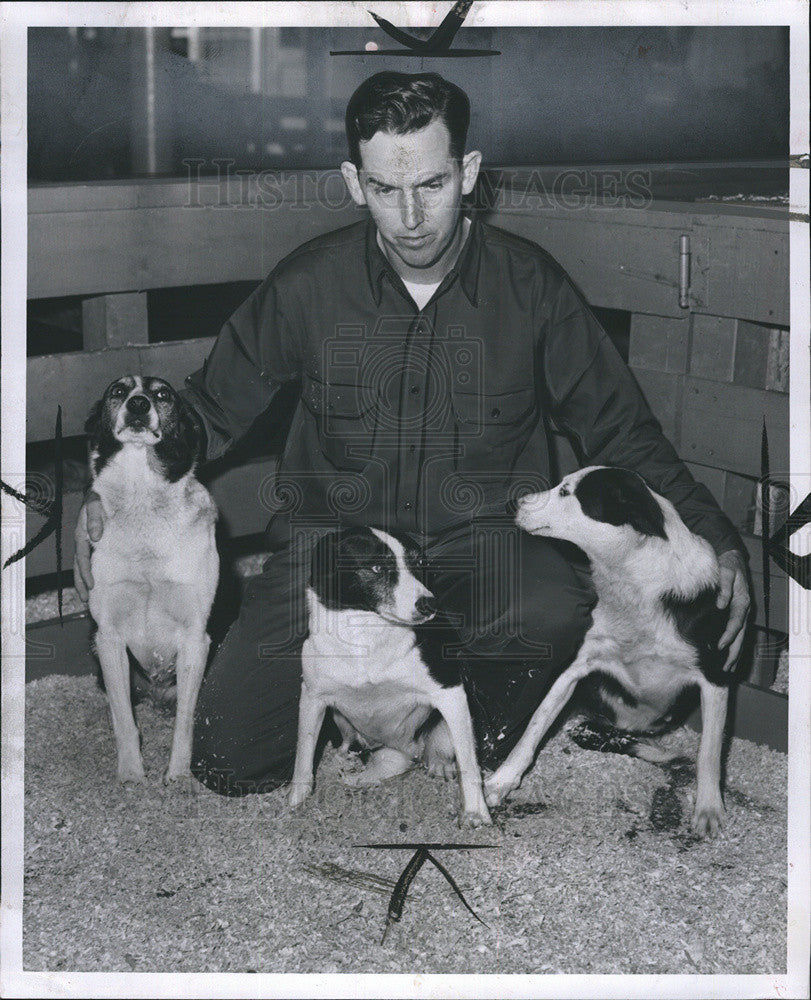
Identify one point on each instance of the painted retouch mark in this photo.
(422, 853)
(438, 42)
(50, 509)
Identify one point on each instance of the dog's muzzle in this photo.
(137, 415)
(529, 512)
(426, 608)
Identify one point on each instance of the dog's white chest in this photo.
(153, 529)
(376, 679)
(155, 566)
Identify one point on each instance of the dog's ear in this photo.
(620, 497)
(190, 431)
(181, 446)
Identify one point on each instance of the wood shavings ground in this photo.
(587, 875)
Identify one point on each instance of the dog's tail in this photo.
(608, 739)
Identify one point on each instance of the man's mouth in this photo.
(412, 242)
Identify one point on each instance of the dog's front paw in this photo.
(499, 785)
(182, 782)
(131, 774)
(708, 818)
(472, 818)
(297, 793)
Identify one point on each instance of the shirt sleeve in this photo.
(255, 352)
(596, 401)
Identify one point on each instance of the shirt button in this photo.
(407, 505)
(495, 412)
(412, 448)
(414, 390)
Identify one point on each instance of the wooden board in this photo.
(747, 272)
(617, 261)
(721, 426)
(135, 236)
(114, 321)
(122, 246)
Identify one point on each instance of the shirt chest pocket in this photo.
(492, 427)
(345, 416)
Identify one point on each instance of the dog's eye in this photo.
(162, 394)
(377, 569)
(564, 491)
(118, 391)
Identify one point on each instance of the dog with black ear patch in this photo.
(655, 628)
(373, 658)
(155, 566)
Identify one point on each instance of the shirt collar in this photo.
(467, 266)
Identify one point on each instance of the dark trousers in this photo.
(521, 606)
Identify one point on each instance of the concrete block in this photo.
(114, 321)
(751, 354)
(663, 392)
(712, 352)
(659, 343)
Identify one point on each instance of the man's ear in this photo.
(470, 170)
(352, 181)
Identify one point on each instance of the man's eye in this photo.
(434, 186)
(384, 190)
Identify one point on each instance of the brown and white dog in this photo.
(372, 657)
(155, 566)
(655, 627)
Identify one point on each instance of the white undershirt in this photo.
(421, 294)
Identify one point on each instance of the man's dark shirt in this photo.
(421, 420)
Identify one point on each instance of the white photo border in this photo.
(15, 19)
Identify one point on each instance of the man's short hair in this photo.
(406, 102)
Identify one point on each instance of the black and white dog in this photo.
(372, 659)
(155, 567)
(655, 627)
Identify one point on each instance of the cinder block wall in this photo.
(711, 381)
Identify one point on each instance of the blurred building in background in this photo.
(107, 103)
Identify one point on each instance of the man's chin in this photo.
(420, 258)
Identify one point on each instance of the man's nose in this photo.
(411, 211)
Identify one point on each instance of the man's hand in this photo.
(89, 528)
(733, 593)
